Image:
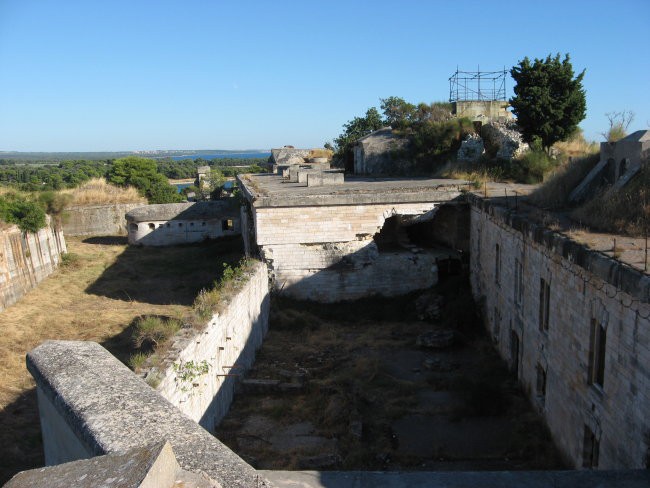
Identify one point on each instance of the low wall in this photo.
(97, 220)
(200, 373)
(26, 259)
(90, 404)
(574, 324)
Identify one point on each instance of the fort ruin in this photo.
(572, 323)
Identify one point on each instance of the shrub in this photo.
(154, 330)
(431, 139)
(137, 360)
(29, 216)
(531, 167)
(70, 260)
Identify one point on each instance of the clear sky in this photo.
(136, 74)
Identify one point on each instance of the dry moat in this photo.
(384, 384)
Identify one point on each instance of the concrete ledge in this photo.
(109, 409)
(460, 479)
(620, 275)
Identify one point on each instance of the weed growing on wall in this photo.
(154, 331)
(188, 372)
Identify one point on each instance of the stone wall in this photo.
(26, 259)
(90, 404)
(97, 220)
(548, 303)
(202, 369)
(327, 253)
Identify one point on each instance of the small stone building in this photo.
(169, 224)
(378, 153)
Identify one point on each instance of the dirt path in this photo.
(96, 297)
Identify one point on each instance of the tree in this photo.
(549, 102)
(357, 128)
(397, 112)
(143, 174)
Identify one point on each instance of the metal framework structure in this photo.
(477, 85)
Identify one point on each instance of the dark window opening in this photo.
(180, 224)
(622, 167)
(202, 224)
(597, 346)
(227, 225)
(191, 224)
(152, 226)
(497, 264)
(514, 352)
(541, 383)
(519, 282)
(590, 449)
(133, 227)
(544, 304)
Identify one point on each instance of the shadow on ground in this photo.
(107, 240)
(165, 275)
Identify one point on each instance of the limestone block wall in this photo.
(97, 220)
(202, 369)
(26, 259)
(516, 268)
(180, 231)
(90, 404)
(327, 253)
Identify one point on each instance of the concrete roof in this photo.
(638, 136)
(271, 190)
(383, 133)
(184, 211)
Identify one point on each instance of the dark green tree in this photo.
(549, 102)
(143, 174)
(357, 128)
(398, 113)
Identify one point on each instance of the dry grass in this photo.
(576, 147)
(321, 153)
(98, 191)
(98, 296)
(554, 193)
(624, 212)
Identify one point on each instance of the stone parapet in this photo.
(103, 407)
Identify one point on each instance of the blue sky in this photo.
(127, 75)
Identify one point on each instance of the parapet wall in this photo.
(90, 404)
(97, 220)
(202, 369)
(556, 311)
(26, 259)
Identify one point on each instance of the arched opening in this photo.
(152, 226)
(133, 227)
(622, 166)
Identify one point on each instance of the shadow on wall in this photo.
(166, 275)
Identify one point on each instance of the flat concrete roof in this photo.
(271, 190)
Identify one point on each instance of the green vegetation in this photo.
(431, 130)
(143, 174)
(549, 102)
(212, 300)
(17, 209)
(154, 330)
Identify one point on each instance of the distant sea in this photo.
(242, 155)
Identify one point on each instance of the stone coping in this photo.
(460, 479)
(271, 190)
(184, 211)
(623, 277)
(110, 409)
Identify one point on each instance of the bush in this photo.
(531, 167)
(432, 140)
(70, 260)
(29, 216)
(154, 330)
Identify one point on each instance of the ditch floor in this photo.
(410, 383)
